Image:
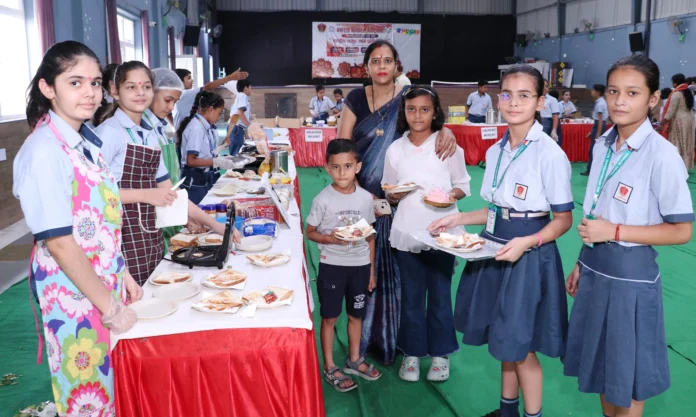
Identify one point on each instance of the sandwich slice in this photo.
(227, 278)
(182, 240)
(171, 277)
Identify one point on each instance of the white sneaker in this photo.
(410, 369)
(439, 369)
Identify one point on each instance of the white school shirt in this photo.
(567, 108)
(43, 176)
(478, 103)
(551, 107)
(650, 188)
(538, 180)
(317, 107)
(402, 80)
(600, 106)
(241, 102)
(199, 138)
(405, 162)
(182, 108)
(159, 126)
(115, 137)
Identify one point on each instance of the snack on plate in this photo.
(233, 174)
(388, 187)
(351, 232)
(331, 121)
(227, 278)
(226, 190)
(437, 195)
(249, 174)
(182, 240)
(212, 239)
(226, 300)
(267, 296)
(171, 277)
(270, 259)
(463, 241)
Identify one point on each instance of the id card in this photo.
(490, 221)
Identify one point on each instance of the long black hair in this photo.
(374, 45)
(203, 101)
(642, 64)
(680, 79)
(532, 72)
(107, 82)
(416, 91)
(120, 76)
(58, 59)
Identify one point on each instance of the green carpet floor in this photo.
(474, 385)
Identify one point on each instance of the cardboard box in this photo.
(267, 122)
(289, 123)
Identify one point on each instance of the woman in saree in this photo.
(369, 118)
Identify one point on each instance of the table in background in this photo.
(236, 372)
(575, 143)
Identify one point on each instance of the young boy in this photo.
(320, 106)
(345, 270)
(338, 95)
(477, 103)
(599, 115)
(242, 110)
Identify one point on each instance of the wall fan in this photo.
(678, 27)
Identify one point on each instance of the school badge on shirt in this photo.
(520, 191)
(623, 192)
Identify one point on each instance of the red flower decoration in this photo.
(358, 71)
(413, 74)
(344, 69)
(322, 68)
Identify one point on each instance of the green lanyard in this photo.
(494, 185)
(602, 180)
(162, 141)
(133, 137)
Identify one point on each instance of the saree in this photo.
(381, 323)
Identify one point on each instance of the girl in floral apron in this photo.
(132, 150)
(71, 204)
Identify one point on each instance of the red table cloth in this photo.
(575, 143)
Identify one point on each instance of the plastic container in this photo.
(211, 210)
(221, 211)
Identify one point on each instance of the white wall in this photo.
(665, 8)
(601, 13)
(480, 7)
(543, 20)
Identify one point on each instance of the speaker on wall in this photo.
(191, 35)
(521, 39)
(635, 39)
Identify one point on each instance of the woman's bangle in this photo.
(617, 236)
(538, 235)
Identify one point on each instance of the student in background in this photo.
(567, 106)
(338, 95)
(550, 114)
(599, 115)
(401, 78)
(637, 197)
(559, 128)
(240, 113)
(320, 106)
(477, 103)
(183, 106)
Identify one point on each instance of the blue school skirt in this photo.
(515, 308)
(616, 340)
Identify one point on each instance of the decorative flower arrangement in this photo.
(322, 68)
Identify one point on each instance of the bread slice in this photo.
(228, 278)
(183, 240)
(213, 239)
(222, 301)
(282, 293)
(171, 277)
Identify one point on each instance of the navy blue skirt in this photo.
(515, 308)
(616, 340)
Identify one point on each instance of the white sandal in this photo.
(410, 369)
(439, 369)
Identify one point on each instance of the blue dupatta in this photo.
(381, 322)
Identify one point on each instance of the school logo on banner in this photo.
(520, 191)
(623, 192)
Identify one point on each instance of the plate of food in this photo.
(177, 292)
(269, 297)
(210, 239)
(153, 308)
(258, 243)
(170, 277)
(223, 303)
(401, 188)
(233, 174)
(227, 190)
(269, 260)
(227, 279)
(464, 243)
(354, 233)
(438, 198)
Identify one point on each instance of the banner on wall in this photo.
(338, 47)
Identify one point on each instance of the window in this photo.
(126, 37)
(14, 59)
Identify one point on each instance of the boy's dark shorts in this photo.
(338, 282)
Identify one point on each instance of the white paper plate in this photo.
(199, 307)
(153, 308)
(273, 304)
(176, 292)
(255, 243)
(350, 239)
(281, 261)
(239, 286)
(461, 250)
(152, 282)
(224, 193)
(402, 189)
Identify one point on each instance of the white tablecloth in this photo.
(186, 320)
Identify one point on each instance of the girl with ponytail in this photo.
(133, 152)
(71, 203)
(199, 138)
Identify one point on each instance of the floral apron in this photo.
(77, 344)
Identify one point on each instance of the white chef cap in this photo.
(166, 79)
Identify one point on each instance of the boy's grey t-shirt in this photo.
(331, 209)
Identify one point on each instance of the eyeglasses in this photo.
(523, 98)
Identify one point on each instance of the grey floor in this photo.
(14, 260)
